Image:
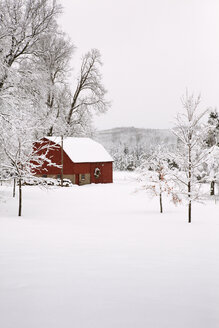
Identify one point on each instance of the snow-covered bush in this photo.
(35, 181)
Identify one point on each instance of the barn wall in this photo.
(55, 156)
(81, 168)
(106, 175)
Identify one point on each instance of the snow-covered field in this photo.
(102, 256)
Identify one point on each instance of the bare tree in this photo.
(89, 95)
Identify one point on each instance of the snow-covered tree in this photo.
(17, 142)
(210, 170)
(191, 153)
(212, 137)
(212, 142)
(127, 157)
(31, 42)
(22, 24)
(155, 176)
(51, 58)
(21, 125)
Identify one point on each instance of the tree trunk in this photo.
(62, 160)
(161, 205)
(2, 82)
(190, 212)
(189, 183)
(50, 132)
(14, 187)
(20, 198)
(212, 189)
(190, 202)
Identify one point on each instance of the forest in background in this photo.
(128, 144)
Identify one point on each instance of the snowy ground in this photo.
(101, 256)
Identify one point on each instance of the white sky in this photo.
(152, 51)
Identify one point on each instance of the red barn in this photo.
(84, 161)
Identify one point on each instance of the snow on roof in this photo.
(83, 150)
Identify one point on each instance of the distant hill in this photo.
(132, 137)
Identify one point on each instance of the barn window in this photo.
(44, 176)
(58, 176)
(82, 177)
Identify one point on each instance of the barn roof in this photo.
(83, 150)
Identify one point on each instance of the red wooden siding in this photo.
(55, 156)
(106, 172)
